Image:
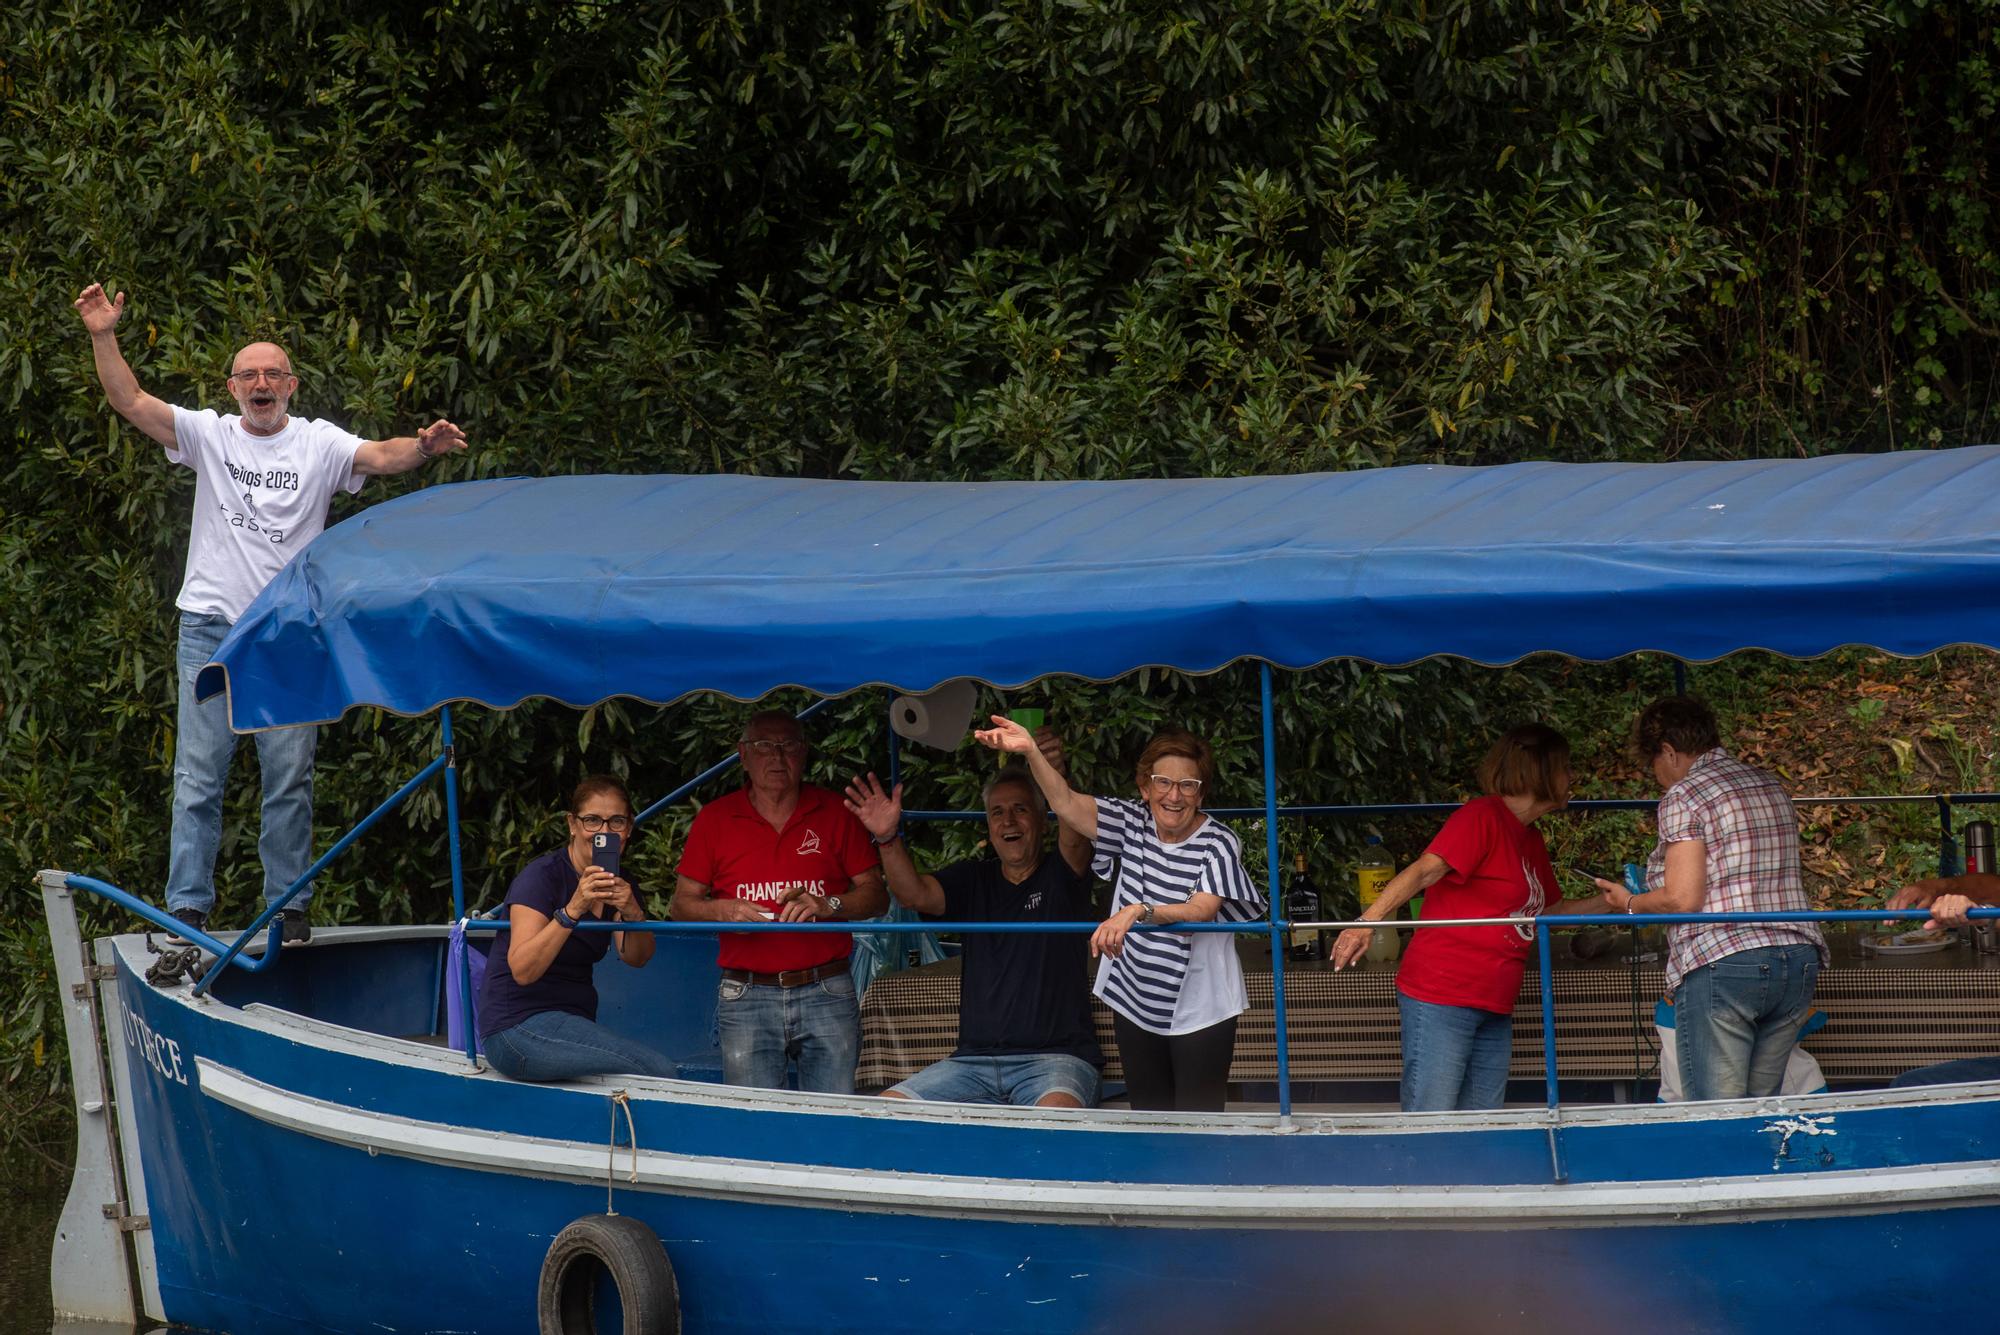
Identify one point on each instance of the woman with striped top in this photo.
(1174, 996)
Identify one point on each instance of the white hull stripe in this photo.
(1623, 1204)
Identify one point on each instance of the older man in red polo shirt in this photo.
(785, 850)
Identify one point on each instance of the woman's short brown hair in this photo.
(1529, 761)
(598, 785)
(1681, 721)
(1176, 742)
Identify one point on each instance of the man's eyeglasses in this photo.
(594, 822)
(1164, 785)
(252, 377)
(768, 748)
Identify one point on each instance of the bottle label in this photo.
(1369, 881)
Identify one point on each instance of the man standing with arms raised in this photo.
(785, 850)
(263, 482)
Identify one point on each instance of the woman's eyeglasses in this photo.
(594, 822)
(1164, 785)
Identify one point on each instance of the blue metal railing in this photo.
(1275, 926)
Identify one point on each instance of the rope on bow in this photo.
(620, 1099)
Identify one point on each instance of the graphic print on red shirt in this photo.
(735, 852)
(1499, 869)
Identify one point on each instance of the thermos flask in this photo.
(1979, 857)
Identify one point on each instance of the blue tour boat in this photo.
(286, 1146)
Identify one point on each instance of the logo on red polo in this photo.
(810, 844)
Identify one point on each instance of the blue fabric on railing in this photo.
(583, 588)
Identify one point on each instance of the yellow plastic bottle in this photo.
(1375, 870)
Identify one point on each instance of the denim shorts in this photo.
(1022, 1081)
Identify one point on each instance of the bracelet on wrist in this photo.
(562, 916)
(883, 843)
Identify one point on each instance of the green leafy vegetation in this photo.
(919, 240)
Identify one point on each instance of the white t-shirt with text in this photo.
(258, 500)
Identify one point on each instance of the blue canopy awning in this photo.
(580, 589)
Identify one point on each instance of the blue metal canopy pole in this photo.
(451, 814)
(1271, 852)
(1561, 1169)
(465, 997)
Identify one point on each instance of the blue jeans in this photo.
(1022, 1080)
(555, 1045)
(1737, 1020)
(764, 1029)
(1454, 1057)
(203, 748)
(1963, 1070)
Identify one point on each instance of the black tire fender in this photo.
(566, 1303)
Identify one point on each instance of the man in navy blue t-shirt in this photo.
(1025, 1033)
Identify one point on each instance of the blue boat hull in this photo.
(303, 1176)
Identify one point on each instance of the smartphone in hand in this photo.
(1588, 875)
(604, 846)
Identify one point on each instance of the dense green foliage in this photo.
(911, 240)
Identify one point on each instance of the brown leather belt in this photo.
(789, 978)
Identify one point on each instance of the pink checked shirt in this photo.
(1747, 823)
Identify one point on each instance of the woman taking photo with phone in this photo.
(538, 1007)
(1174, 996)
(1457, 985)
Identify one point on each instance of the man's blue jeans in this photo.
(1454, 1057)
(763, 1029)
(555, 1045)
(1737, 1020)
(203, 747)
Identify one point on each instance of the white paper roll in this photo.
(936, 718)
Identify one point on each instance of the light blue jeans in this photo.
(1737, 1020)
(1020, 1079)
(764, 1029)
(203, 748)
(1454, 1057)
(555, 1045)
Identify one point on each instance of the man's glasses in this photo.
(594, 822)
(768, 748)
(252, 377)
(1164, 785)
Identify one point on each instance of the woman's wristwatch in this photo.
(562, 916)
(1145, 914)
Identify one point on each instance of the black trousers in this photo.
(1184, 1073)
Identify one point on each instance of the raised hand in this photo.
(1005, 735)
(440, 437)
(100, 314)
(880, 813)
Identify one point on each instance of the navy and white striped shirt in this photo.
(1146, 981)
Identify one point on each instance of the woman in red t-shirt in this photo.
(1457, 985)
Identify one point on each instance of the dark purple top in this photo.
(544, 885)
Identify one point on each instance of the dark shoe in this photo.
(297, 930)
(194, 918)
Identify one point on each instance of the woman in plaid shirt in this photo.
(1729, 843)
